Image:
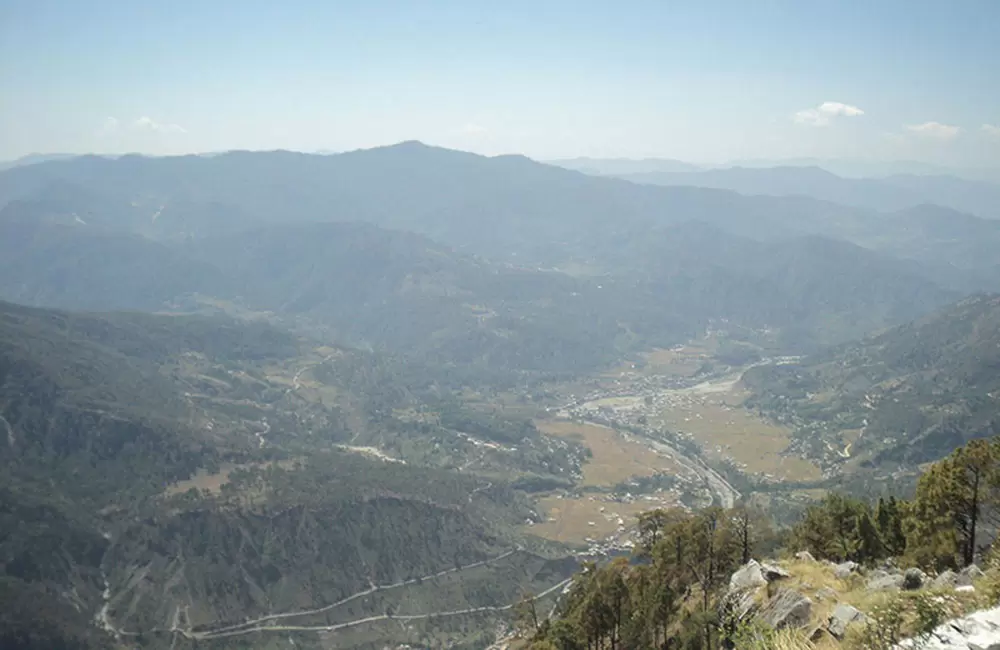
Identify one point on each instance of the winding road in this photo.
(268, 623)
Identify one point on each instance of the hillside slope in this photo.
(908, 395)
(154, 463)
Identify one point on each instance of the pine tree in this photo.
(953, 500)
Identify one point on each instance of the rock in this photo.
(844, 569)
(977, 631)
(772, 572)
(818, 635)
(965, 589)
(737, 605)
(788, 608)
(826, 594)
(947, 579)
(805, 556)
(914, 579)
(883, 581)
(748, 577)
(843, 616)
(972, 572)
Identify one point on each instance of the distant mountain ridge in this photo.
(254, 229)
(887, 193)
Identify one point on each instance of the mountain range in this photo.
(255, 229)
(888, 193)
(257, 394)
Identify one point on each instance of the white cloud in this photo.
(109, 126)
(474, 129)
(149, 124)
(935, 130)
(991, 129)
(825, 112)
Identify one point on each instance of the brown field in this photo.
(726, 430)
(573, 516)
(683, 361)
(615, 458)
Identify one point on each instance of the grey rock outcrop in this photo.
(972, 572)
(880, 580)
(805, 556)
(947, 579)
(788, 608)
(772, 572)
(825, 593)
(749, 576)
(977, 631)
(747, 591)
(843, 570)
(843, 616)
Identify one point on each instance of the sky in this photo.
(699, 81)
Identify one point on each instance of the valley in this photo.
(394, 419)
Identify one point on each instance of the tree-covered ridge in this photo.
(908, 395)
(404, 293)
(679, 590)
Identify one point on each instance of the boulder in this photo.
(843, 570)
(744, 585)
(748, 577)
(805, 556)
(788, 608)
(882, 581)
(843, 615)
(947, 579)
(737, 605)
(972, 572)
(914, 579)
(825, 593)
(772, 572)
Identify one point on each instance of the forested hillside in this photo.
(166, 447)
(908, 395)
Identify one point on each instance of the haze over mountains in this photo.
(267, 393)
(885, 189)
(139, 232)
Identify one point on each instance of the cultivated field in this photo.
(616, 458)
(717, 421)
(573, 520)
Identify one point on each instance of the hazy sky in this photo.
(699, 80)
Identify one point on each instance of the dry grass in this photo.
(569, 519)
(615, 458)
(726, 430)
